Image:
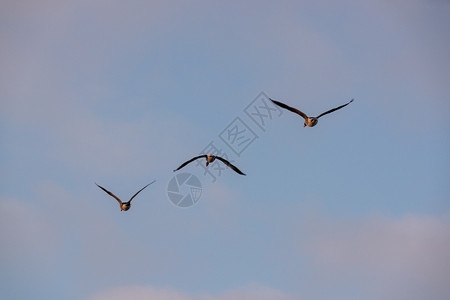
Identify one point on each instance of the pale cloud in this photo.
(41, 100)
(26, 233)
(391, 56)
(252, 291)
(140, 292)
(372, 257)
(71, 236)
(218, 198)
(389, 258)
(100, 239)
(35, 67)
(53, 84)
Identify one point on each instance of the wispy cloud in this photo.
(252, 291)
(371, 257)
(26, 234)
(110, 92)
(389, 258)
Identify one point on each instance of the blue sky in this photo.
(122, 93)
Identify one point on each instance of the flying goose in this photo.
(124, 206)
(309, 121)
(209, 159)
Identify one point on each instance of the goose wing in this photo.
(290, 108)
(230, 165)
(129, 201)
(334, 109)
(111, 194)
(189, 161)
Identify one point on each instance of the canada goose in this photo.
(124, 206)
(309, 121)
(209, 159)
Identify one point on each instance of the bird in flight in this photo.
(309, 121)
(124, 206)
(209, 159)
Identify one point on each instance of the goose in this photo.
(124, 206)
(209, 159)
(309, 121)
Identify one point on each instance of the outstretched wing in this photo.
(334, 109)
(290, 108)
(189, 161)
(129, 201)
(230, 165)
(109, 193)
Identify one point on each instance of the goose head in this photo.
(310, 122)
(125, 206)
(209, 159)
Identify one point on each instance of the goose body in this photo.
(124, 206)
(209, 159)
(309, 121)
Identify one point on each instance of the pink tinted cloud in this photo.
(389, 258)
(249, 292)
(30, 240)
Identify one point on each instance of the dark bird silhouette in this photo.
(309, 121)
(124, 206)
(209, 159)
